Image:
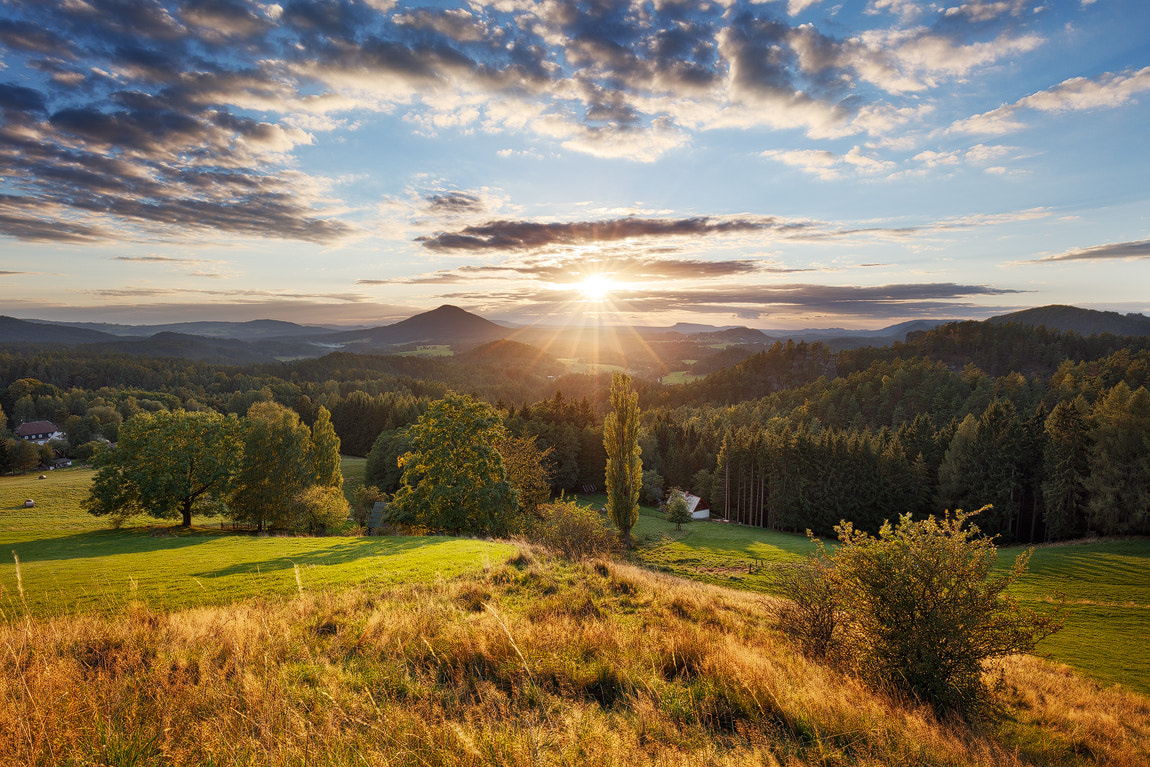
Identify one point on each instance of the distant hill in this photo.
(740, 335)
(445, 325)
(507, 354)
(16, 331)
(244, 331)
(215, 350)
(1085, 322)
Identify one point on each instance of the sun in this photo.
(596, 287)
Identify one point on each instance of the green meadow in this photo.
(1106, 585)
(70, 562)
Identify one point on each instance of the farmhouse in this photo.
(39, 432)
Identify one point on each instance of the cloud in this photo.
(531, 235)
(454, 203)
(779, 302)
(619, 268)
(1114, 250)
(163, 260)
(175, 120)
(1077, 94)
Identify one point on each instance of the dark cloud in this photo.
(1121, 250)
(530, 235)
(223, 18)
(329, 17)
(21, 99)
(453, 203)
(26, 36)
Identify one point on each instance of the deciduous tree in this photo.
(624, 466)
(453, 477)
(167, 464)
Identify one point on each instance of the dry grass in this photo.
(533, 662)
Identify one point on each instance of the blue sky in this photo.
(788, 163)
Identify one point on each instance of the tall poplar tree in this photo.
(624, 466)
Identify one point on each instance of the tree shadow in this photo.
(338, 553)
(94, 544)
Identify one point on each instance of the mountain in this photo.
(16, 331)
(1085, 322)
(445, 325)
(244, 331)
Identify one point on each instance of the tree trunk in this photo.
(186, 511)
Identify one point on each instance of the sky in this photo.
(775, 164)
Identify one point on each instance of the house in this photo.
(693, 502)
(39, 432)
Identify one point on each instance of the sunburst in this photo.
(596, 287)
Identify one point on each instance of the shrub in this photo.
(916, 609)
(318, 509)
(808, 614)
(573, 530)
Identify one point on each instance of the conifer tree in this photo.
(1067, 464)
(325, 463)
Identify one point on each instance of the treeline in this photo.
(1057, 457)
(1052, 428)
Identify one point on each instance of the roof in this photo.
(35, 427)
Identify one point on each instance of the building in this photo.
(39, 432)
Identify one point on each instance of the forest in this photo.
(1052, 428)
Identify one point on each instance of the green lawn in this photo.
(70, 561)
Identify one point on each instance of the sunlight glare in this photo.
(596, 287)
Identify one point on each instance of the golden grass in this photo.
(533, 662)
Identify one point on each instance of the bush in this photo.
(915, 609)
(573, 530)
(808, 614)
(318, 509)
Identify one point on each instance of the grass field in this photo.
(71, 562)
(1106, 583)
(433, 350)
(678, 377)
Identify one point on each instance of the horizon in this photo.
(577, 324)
(775, 165)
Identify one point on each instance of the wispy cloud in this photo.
(762, 302)
(1113, 250)
(1074, 95)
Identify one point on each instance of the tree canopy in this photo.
(168, 465)
(453, 475)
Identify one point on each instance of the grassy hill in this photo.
(149, 645)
